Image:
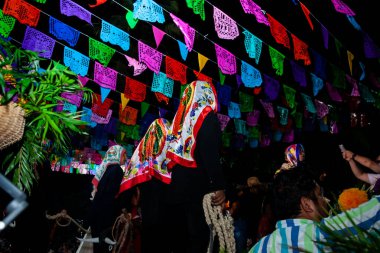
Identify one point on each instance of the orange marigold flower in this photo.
(351, 198)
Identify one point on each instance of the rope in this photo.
(64, 216)
(125, 222)
(220, 223)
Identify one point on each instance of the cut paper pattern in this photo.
(101, 120)
(319, 63)
(105, 77)
(24, 12)
(322, 108)
(354, 83)
(101, 109)
(333, 93)
(299, 73)
(283, 115)
(198, 7)
(69, 8)
(277, 60)
(290, 95)
(308, 103)
(223, 120)
(68, 107)
(301, 50)
(73, 98)
(224, 94)
(161, 83)
(240, 127)
(86, 117)
(100, 51)
(161, 98)
(371, 50)
(253, 118)
(112, 34)
(246, 102)
(268, 107)
(250, 7)
(151, 57)
(234, 110)
(225, 27)
(317, 84)
(175, 70)
(253, 46)
(250, 76)
(138, 67)
(77, 62)
(271, 87)
(188, 31)
(278, 32)
(134, 90)
(226, 60)
(366, 93)
(37, 41)
(148, 10)
(63, 32)
(342, 8)
(6, 24)
(128, 115)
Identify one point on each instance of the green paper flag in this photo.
(221, 77)
(132, 22)
(290, 95)
(144, 108)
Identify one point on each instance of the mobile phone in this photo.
(341, 147)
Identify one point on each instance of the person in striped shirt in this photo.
(300, 208)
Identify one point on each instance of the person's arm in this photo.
(359, 174)
(365, 161)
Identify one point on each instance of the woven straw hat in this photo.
(12, 123)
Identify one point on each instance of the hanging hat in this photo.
(12, 123)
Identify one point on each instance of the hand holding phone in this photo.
(341, 147)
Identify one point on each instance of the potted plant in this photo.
(36, 94)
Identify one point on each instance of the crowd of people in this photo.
(281, 214)
(160, 192)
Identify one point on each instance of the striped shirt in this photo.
(300, 235)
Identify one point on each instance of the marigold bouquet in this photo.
(351, 198)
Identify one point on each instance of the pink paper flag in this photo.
(250, 7)
(188, 32)
(83, 79)
(158, 35)
(151, 57)
(138, 67)
(226, 60)
(342, 8)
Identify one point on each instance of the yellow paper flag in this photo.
(124, 101)
(350, 58)
(201, 61)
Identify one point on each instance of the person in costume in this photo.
(148, 170)
(294, 156)
(194, 143)
(105, 207)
